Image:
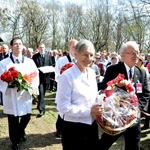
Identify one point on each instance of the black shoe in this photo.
(23, 138)
(40, 114)
(58, 134)
(15, 146)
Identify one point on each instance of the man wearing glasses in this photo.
(129, 52)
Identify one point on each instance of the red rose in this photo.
(129, 88)
(14, 73)
(120, 77)
(108, 92)
(11, 69)
(65, 67)
(111, 83)
(6, 76)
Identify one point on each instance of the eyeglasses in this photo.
(133, 53)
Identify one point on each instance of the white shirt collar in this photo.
(128, 68)
(19, 57)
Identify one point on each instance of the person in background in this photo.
(18, 104)
(147, 59)
(53, 83)
(42, 59)
(113, 54)
(97, 73)
(148, 66)
(129, 52)
(114, 61)
(5, 49)
(103, 59)
(30, 52)
(65, 59)
(99, 64)
(5, 53)
(76, 100)
(59, 63)
(24, 51)
(140, 63)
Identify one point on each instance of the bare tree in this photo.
(35, 20)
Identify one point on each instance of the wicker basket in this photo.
(105, 124)
(115, 131)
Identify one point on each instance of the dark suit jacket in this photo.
(139, 76)
(40, 62)
(53, 61)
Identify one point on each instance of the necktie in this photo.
(17, 61)
(130, 74)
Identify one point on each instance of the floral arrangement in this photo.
(14, 79)
(120, 106)
(65, 67)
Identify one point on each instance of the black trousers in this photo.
(52, 81)
(147, 118)
(59, 123)
(132, 138)
(79, 136)
(41, 96)
(17, 126)
(1, 98)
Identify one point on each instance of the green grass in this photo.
(40, 131)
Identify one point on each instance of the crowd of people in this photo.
(76, 90)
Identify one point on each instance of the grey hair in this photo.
(129, 43)
(83, 45)
(30, 49)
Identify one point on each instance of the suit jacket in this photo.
(41, 62)
(139, 76)
(53, 61)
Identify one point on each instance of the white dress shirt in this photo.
(128, 69)
(76, 94)
(59, 63)
(17, 59)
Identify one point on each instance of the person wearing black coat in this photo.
(129, 52)
(42, 59)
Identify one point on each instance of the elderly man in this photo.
(129, 52)
(30, 52)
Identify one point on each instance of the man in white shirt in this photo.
(65, 59)
(59, 63)
(18, 104)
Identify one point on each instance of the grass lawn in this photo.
(41, 131)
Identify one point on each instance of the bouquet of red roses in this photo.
(120, 107)
(65, 67)
(14, 79)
